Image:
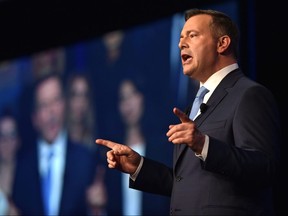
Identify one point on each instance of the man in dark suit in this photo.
(72, 164)
(226, 157)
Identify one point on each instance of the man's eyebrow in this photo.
(187, 33)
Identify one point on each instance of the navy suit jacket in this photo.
(78, 175)
(242, 122)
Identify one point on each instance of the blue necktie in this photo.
(46, 185)
(198, 101)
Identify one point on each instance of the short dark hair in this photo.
(41, 80)
(221, 25)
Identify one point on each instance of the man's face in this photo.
(198, 48)
(48, 118)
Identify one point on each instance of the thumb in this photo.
(181, 115)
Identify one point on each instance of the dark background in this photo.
(29, 26)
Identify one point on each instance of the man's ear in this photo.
(223, 43)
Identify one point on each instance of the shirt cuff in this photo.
(204, 152)
(134, 175)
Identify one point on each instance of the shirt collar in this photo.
(216, 78)
(57, 146)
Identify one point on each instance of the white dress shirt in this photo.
(58, 166)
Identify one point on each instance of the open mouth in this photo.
(185, 58)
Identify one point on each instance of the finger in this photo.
(171, 130)
(111, 164)
(178, 140)
(181, 115)
(106, 143)
(110, 154)
(172, 135)
(171, 126)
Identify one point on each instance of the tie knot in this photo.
(201, 92)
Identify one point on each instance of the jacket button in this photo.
(178, 178)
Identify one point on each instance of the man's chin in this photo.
(51, 137)
(186, 72)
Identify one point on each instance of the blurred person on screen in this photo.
(80, 118)
(9, 144)
(72, 164)
(80, 115)
(137, 135)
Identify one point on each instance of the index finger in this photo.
(106, 143)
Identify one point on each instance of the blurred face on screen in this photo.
(9, 141)
(78, 102)
(112, 42)
(49, 112)
(131, 103)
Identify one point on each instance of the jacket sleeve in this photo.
(154, 177)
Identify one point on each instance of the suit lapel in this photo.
(219, 93)
(66, 177)
(33, 176)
